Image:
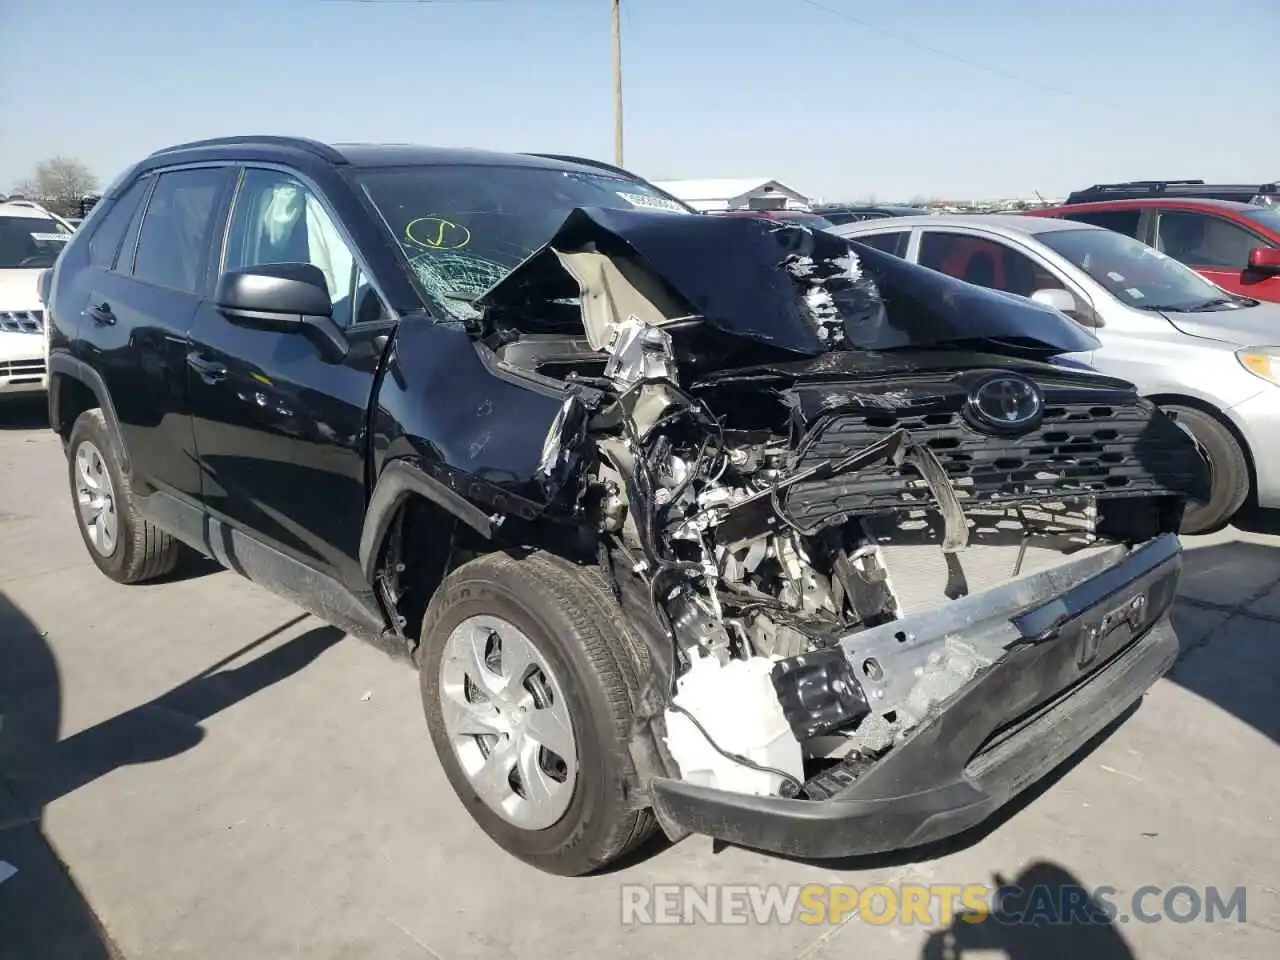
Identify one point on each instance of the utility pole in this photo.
(617, 82)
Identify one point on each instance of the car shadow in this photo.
(1254, 519)
(1045, 913)
(24, 413)
(42, 911)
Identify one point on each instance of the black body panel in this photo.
(729, 270)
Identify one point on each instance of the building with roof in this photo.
(743, 193)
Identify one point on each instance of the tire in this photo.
(567, 614)
(1229, 468)
(138, 550)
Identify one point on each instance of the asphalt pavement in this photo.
(195, 769)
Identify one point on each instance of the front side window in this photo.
(1204, 241)
(173, 245)
(462, 228)
(30, 243)
(1133, 272)
(277, 219)
(986, 263)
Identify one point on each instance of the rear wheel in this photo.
(124, 546)
(528, 691)
(1228, 467)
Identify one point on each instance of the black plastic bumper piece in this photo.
(1012, 725)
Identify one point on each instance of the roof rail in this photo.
(1134, 189)
(305, 144)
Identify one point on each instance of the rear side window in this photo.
(1121, 221)
(105, 242)
(894, 243)
(173, 248)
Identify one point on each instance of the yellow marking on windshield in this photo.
(436, 233)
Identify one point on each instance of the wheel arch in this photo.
(1210, 409)
(75, 387)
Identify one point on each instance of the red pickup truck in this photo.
(1233, 244)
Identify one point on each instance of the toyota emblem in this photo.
(1007, 403)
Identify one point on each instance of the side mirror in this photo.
(1264, 259)
(1059, 300)
(284, 298)
(1065, 302)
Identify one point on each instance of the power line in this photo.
(955, 57)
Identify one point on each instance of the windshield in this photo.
(30, 242)
(1133, 272)
(463, 228)
(1269, 217)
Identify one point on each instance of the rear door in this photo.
(137, 315)
(281, 429)
(1217, 248)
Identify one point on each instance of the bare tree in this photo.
(59, 183)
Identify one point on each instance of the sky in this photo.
(922, 98)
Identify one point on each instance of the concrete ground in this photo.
(224, 777)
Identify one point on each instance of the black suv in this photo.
(720, 524)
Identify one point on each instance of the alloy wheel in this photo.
(508, 723)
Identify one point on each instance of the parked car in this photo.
(1265, 194)
(846, 213)
(1203, 354)
(30, 240)
(1235, 245)
(721, 525)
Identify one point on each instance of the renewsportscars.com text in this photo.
(935, 904)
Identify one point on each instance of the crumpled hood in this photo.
(19, 290)
(1254, 326)
(759, 279)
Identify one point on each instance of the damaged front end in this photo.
(899, 561)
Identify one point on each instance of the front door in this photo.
(281, 430)
(1217, 249)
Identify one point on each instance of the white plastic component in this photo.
(737, 705)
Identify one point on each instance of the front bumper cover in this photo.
(1080, 661)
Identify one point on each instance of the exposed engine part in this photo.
(729, 731)
(639, 352)
(819, 692)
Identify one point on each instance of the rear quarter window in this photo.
(1121, 221)
(104, 244)
(894, 243)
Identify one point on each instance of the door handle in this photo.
(210, 372)
(101, 315)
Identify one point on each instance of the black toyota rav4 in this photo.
(707, 524)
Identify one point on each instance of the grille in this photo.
(22, 371)
(1079, 449)
(22, 321)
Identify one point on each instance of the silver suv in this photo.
(1208, 356)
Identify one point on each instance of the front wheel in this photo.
(528, 689)
(124, 546)
(1228, 468)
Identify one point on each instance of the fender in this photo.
(68, 366)
(400, 479)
